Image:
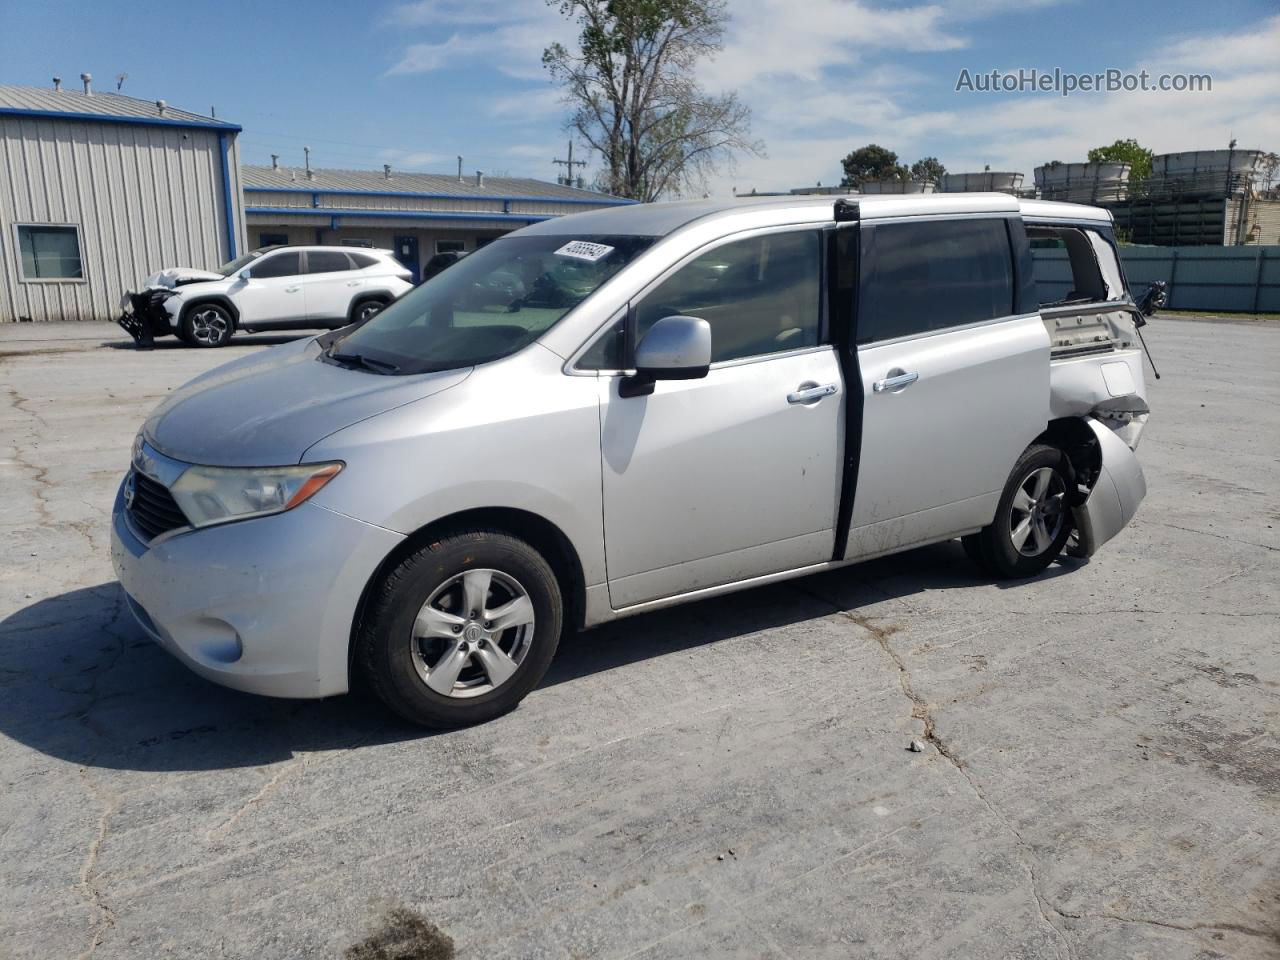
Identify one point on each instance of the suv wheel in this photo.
(461, 630)
(207, 325)
(1033, 518)
(367, 310)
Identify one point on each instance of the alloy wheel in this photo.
(208, 326)
(1038, 512)
(472, 634)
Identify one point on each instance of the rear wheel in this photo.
(1033, 518)
(367, 310)
(207, 325)
(461, 630)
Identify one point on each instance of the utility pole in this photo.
(569, 164)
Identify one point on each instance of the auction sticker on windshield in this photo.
(584, 250)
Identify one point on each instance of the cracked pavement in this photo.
(1101, 773)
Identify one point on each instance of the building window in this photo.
(272, 239)
(356, 242)
(50, 252)
(450, 246)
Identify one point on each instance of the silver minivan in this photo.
(603, 414)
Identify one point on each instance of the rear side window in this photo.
(927, 276)
(327, 261)
(1073, 265)
(277, 265)
(363, 260)
(761, 295)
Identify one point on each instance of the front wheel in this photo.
(207, 325)
(462, 629)
(1033, 518)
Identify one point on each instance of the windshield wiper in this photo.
(359, 360)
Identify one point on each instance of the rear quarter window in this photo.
(923, 277)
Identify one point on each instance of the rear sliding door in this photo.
(955, 378)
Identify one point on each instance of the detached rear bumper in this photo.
(1114, 499)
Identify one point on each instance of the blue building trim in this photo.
(336, 215)
(602, 201)
(228, 202)
(211, 125)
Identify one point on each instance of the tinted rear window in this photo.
(327, 261)
(363, 260)
(921, 277)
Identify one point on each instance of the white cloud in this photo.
(825, 76)
(970, 130)
(507, 37)
(780, 38)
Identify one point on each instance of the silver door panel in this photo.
(725, 568)
(948, 435)
(921, 527)
(723, 477)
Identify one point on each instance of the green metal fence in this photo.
(1233, 279)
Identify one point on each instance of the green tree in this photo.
(872, 162)
(630, 84)
(928, 168)
(1125, 151)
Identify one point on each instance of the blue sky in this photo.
(416, 83)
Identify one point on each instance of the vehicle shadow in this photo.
(941, 566)
(81, 683)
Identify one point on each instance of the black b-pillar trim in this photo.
(843, 258)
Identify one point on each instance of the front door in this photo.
(406, 250)
(736, 475)
(273, 292)
(955, 382)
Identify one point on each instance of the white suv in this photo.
(274, 288)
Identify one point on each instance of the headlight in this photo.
(209, 495)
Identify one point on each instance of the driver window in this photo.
(278, 265)
(761, 295)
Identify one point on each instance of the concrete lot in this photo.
(729, 779)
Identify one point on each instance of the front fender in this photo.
(516, 434)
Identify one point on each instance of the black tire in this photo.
(207, 325)
(396, 663)
(367, 309)
(1028, 533)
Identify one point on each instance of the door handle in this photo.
(353, 283)
(811, 393)
(292, 289)
(896, 380)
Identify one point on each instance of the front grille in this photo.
(154, 510)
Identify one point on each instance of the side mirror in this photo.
(675, 348)
(244, 274)
(1152, 300)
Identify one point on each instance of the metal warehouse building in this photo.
(416, 215)
(98, 190)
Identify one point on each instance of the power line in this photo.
(569, 164)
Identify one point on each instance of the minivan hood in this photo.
(177, 276)
(266, 409)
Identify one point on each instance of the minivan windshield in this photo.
(489, 304)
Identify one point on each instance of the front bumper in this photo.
(145, 313)
(264, 605)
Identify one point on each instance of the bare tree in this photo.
(630, 83)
